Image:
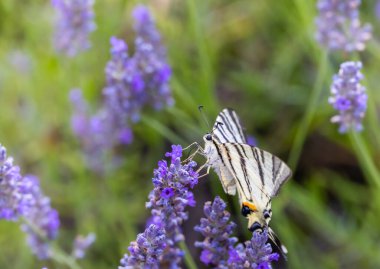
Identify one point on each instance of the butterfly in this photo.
(254, 174)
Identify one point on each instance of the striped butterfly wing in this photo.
(258, 174)
(227, 128)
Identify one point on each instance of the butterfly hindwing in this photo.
(258, 173)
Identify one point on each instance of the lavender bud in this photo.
(43, 218)
(81, 244)
(339, 27)
(146, 250)
(15, 197)
(348, 97)
(75, 22)
(217, 230)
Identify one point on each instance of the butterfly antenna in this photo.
(200, 108)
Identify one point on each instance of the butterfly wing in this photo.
(227, 128)
(258, 174)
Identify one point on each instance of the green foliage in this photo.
(259, 57)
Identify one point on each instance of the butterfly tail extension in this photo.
(276, 244)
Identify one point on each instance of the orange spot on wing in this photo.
(250, 206)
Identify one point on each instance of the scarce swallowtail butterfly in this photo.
(256, 175)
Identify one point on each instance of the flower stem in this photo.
(310, 111)
(189, 261)
(365, 158)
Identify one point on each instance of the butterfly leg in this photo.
(199, 149)
(205, 174)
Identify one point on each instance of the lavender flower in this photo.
(133, 82)
(81, 244)
(257, 253)
(139, 80)
(349, 97)
(42, 221)
(168, 200)
(218, 246)
(96, 133)
(158, 246)
(217, 230)
(339, 27)
(146, 251)
(74, 25)
(15, 197)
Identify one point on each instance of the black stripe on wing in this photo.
(230, 129)
(236, 158)
(269, 171)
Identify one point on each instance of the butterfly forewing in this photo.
(228, 128)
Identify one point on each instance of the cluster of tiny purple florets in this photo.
(168, 201)
(218, 248)
(75, 22)
(42, 221)
(21, 197)
(15, 192)
(146, 251)
(339, 27)
(133, 82)
(217, 230)
(349, 97)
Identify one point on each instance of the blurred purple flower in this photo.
(146, 251)
(217, 230)
(251, 140)
(349, 97)
(75, 22)
(81, 244)
(96, 133)
(42, 221)
(139, 80)
(133, 82)
(15, 192)
(339, 27)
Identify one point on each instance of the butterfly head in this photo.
(257, 219)
(208, 137)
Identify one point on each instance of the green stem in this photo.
(309, 114)
(365, 158)
(189, 261)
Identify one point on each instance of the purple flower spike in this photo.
(168, 200)
(42, 217)
(348, 97)
(339, 27)
(146, 251)
(217, 230)
(257, 253)
(75, 22)
(218, 248)
(141, 79)
(15, 197)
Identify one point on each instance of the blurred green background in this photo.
(259, 57)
